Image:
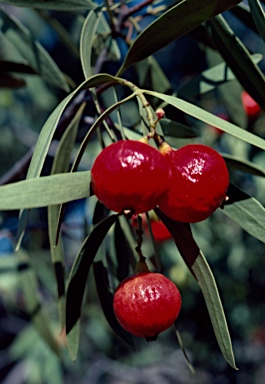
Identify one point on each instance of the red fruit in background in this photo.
(160, 231)
(130, 175)
(146, 304)
(251, 108)
(199, 183)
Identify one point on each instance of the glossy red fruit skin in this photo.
(146, 304)
(130, 175)
(199, 183)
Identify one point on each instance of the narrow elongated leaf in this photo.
(177, 21)
(238, 59)
(60, 165)
(210, 119)
(33, 305)
(174, 129)
(92, 129)
(200, 269)
(242, 12)
(246, 211)
(46, 135)
(123, 251)
(78, 279)
(86, 41)
(210, 79)
(258, 15)
(106, 301)
(243, 165)
(47, 132)
(45, 191)
(32, 51)
(12, 66)
(12, 82)
(210, 292)
(62, 5)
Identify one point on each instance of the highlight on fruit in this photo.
(198, 184)
(130, 175)
(146, 304)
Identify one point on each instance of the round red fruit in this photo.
(130, 175)
(146, 304)
(198, 185)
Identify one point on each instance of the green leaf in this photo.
(86, 41)
(78, 279)
(60, 165)
(58, 5)
(189, 250)
(200, 269)
(210, 292)
(243, 165)
(246, 211)
(210, 119)
(45, 191)
(124, 253)
(177, 21)
(210, 79)
(47, 132)
(32, 303)
(32, 51)
(178, 130)
(92, 129)
(106, 301)
(238, 59)
(258, 15)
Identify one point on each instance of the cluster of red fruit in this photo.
(187, 184)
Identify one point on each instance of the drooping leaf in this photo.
(92, 129)
(174, 129)
(246, 211)
(78, 279)
(32, 51)
(45, 191)
(258, 15)
(9, 81)
(200, 269)
(106, 301)
(86, 41)
(210, 292)
(123, 251)
(244, 165)
(189, 250)
(61, 165)
(242, 12)
(177, 21)
(210, 79)
(237, 57)
(62, 5)
(46, 135)
(47, 132)
(210, 119)
(33, 307)
(12, 66)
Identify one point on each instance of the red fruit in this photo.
(251, 108)
(146, 304)
(130, 175)
(160, 231)
(199, 183)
